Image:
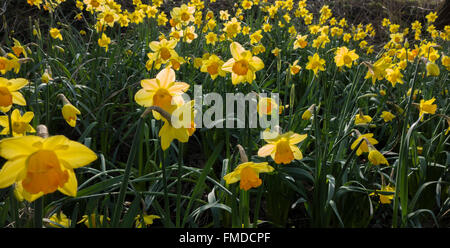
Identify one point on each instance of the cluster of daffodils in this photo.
(36, 165)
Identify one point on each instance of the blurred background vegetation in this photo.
(16, 14)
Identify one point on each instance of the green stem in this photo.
(180, 165)
(126, 175)
(245, 209)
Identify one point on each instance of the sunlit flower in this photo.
(180, 126)
(9, 93)
(363, 147)
(183, 14)
(394, 76)
(243, 65)
(308, 113)
(211, 38)
(248, 174)
(387, 116)
(345, 57)
(266, 105)
(213, 66)
(20, 124)
(427, 107)
(164, 48)
(55, 33)
(282, 147)
(41, 166)
(18, 49)
(161, 91)
(432, 69)
(294, 68)
(315, 63)
(104, 41)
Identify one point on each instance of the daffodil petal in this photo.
(70, 187)
(11, 148)
(266, 150)
(10, 170)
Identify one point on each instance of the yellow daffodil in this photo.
(375, 157)
(70, 113)
(147, 220)
(180, 126)
(232, 27)
(161, 91)
(266, 105)
(294, 68)
(18, 49)
(183, 14)
(394, 76)
(9, 93)
(59, 220)
(377, 71)
(387, 116)
(248, 174)
(243, 65)
(104, 41)
(20, 124)
(189, 34)
(211, 38)
(308, 113)
(55, 33)
(41, 166)
(427, 107)
(385, 199)
(361, 119)
(364, 146)
(345, 57)
(46, 77)
(432, 69)
(164, 49)
(315, 63)
(282, 147)
(108, 16)
(213, 66)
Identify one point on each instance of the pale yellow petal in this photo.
(266, 150)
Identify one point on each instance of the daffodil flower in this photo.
(180, 126)
(59, 220)
(55, 33)
(248, 174)
(39, 166)
(9, 93)
(147, 220)
(243, 65)
(315, 63)
(385, 199)
(364, 147)
(282, 147)
(20, 124)
(161, 91)
(344, 57)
